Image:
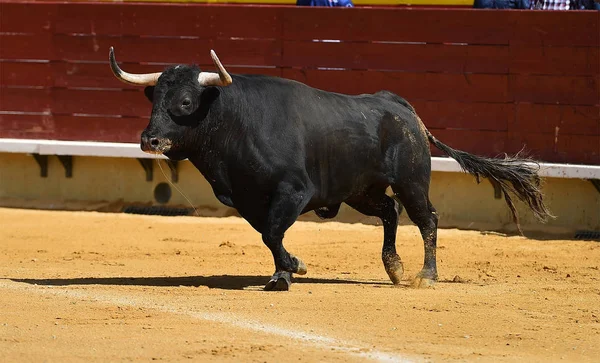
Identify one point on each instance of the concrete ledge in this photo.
(75, 148)
(551, 170)
(129, 150)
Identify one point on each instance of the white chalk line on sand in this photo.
(315, 340)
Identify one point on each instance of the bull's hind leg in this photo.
(377, 203)
(286, 204)
(328, 212)
(415, 198)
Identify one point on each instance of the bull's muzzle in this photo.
(154, 145)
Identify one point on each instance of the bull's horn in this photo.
(145, 79)
(213, 79)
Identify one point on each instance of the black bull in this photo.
(274, 149)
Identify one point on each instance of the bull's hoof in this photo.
(280, 281)
(424, 279)
(301, 269)
(393, 267)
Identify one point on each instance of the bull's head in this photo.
(176, 95)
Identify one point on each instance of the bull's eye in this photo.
(186, 102)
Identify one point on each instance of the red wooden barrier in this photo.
(487, 82)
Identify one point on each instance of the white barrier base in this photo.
(128, 150)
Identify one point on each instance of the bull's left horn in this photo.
(144, 79)
(213, 79)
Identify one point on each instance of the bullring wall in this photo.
(486, 82)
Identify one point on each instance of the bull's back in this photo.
(342, 143)
(366, 141)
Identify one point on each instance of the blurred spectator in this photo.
(502, 4)
(564, 5)
(538, 4)
(330, 3)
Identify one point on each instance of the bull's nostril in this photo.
(154, 141)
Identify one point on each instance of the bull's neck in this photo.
(215, 137)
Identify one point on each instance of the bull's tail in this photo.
(516, 175)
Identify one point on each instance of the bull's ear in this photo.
(207, 97)
(149, 92)
(209, 94)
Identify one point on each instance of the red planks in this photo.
(276, 72)
(65, 74)
(25, 74)
(566, 60)
(89, 19)
(550, 28)
(579, 149)
(99, 75)
(412, 86)
(399, 25)
(244, 22)
(100, 102)
(109, 129)
(212, 21)
(26, 46)
(21, 18)
(71, 100)
(68, 127)
(484, 143)
(538, 146)
(169, 20)
(557, 119)
(127, 49)
(257, 52)
(487, 59)
(576, 90)
(562, 149)
(465, 115)
(25, 99)
(396, 57)
(27, 126)
(94, 75)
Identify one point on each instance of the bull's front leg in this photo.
(287, 203)
(285, 265)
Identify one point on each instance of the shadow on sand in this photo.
(219, 282)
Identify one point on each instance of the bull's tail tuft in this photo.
(516, 175)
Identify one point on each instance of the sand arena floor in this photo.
(87, 286)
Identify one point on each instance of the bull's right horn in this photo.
(215, 79)
(144, 79)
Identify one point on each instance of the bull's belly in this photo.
(339, 189)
